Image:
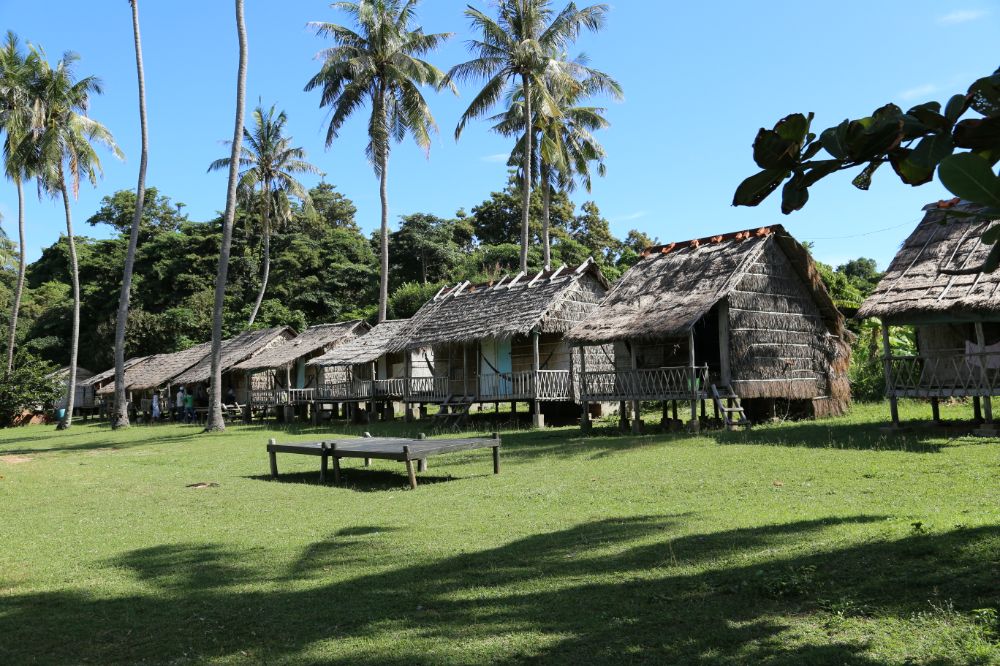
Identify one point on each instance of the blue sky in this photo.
(700, 79)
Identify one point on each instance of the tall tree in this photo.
(215, 421)
(120, 417)
(520, 48)
(64, 139)
(269, 163)
(18, 78)
(566, 145)
(379, 61)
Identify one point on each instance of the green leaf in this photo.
(864, 179)
(811, 150)
(970, 177)
(929, 115)
(771, 151)
(992, 235)
(978, 133)
(984, 95)
(793, 195)
(932, 149)
(820, 169)
(793, 128)
(955, 108)
(909, 171)
(834, 140)
(756, 188)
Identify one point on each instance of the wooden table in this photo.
(385, 448)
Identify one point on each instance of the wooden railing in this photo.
(945, 375)
(675, 383)
(390, 388)
(430, 389)
(553, 385)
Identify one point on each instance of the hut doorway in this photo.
(495, 367)
(707, 343)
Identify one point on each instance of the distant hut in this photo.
(281, 374)
(95, 400)
(83, 398)
(503, 341)
(745, 314)
(149, 374)
(956, 317)
(367, 370)
(234, 351)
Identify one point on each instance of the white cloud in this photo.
(918, 91)
(631, 216)
(499, 158)
(962, 16)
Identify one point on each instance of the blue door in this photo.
(495, 368)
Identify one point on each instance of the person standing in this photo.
(179, 404)
(189, 416)
(156, 406)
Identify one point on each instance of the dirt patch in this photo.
(106, 449)
(15, 460)
(203, 484)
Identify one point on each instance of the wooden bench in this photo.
(406, 451)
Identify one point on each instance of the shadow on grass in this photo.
(609, 591)
(836, 435)
(359, 479)
(90, 445)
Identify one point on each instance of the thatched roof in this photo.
(675, 285)
(915, 289)
(151, 372)
(110, 373)
(234, 351)
(515, 305)
(313, 339)
(364, 349)
(82, 374)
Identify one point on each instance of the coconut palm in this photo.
(18, 78)
(520, 48)
(269, 163)
(566, 145)
(215, 421)
(379, 62)
(65, 138)
(120, 417)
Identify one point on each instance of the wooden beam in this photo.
(724, 367)
(585, 415)
(693, 379)
(887, 365)
(987, 400)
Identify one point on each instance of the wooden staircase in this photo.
(727, 403)
(454, 412)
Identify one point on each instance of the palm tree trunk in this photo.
(265, 274)
(215, 421)
(526, 185)
(74, 343)
(22, 264)
(120, 418)
(383, 289)
(546, 207)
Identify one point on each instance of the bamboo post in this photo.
(985, 388)
(935, 412)
(693, 374)
(585, 414)
(538, 419)
(407, 371)
(636, 406)
(887, 351)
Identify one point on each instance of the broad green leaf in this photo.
(771, 151)
(978, 133)
(819, 170)
(955, 108)
(932, 149)
(793, 128)
(834, 140)
(908, 170)
(929, 115)
(992, 235)
(984, 95)
(793, 196)
(970, 177)
(864, 179)
(756, 188)
(811, 150)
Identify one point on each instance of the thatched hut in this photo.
(956, 317)
(94, 398)
(503, 341)
(281, 375)
(234, 351)
(147, 374)
(83, 397)
(367, 370)
(745, 314)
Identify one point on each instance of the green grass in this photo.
(801, 543)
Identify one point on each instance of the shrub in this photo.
(29, 385)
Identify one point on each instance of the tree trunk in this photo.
(383, 290)
(266, 272)
(21, 266)
(526, 184)
(546, 207)
(120, 417)
(74, 343)
(215, 420)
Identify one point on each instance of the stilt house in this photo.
(956, 317)
(745, 313)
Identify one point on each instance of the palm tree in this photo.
(64, 138)
(519, 48)
(270, 163)
(18, 78)
(215, 420)
(120, 418)
(566, 145)
(379, 62)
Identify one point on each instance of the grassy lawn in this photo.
(799, 543)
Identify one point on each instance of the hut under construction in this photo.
(740, 319)
(364, 371)
(500, 342)
(281, 376)
(956, 317)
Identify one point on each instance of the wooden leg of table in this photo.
(496, 459)
(422, 465)
(324, 460)
(274, 458)
(410, 473)
(368, 462)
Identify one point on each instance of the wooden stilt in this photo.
(889, 389)
(977, 411)
(273, 457)
(935, 411)
(987, 399)
(409, 468)
(336, 465)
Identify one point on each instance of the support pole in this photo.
(538, 420)
(887, 351)
(409, 468)
(935, 412)
(273, 457)
(985, 388)
(636, 405)
(693, 424)
(585, 406)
